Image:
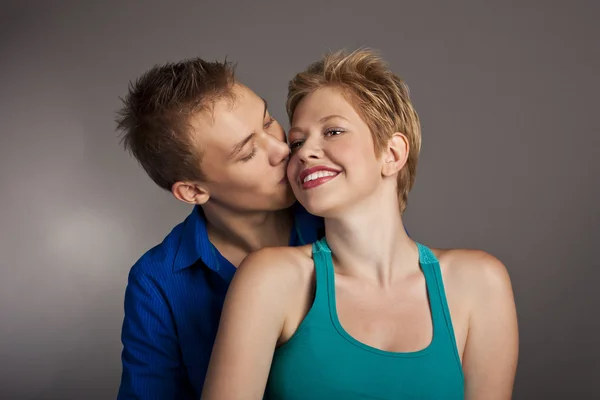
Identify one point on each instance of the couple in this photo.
(331, 299)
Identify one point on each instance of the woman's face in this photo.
(333, 165)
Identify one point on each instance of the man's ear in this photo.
(395, 154)
(190, 192)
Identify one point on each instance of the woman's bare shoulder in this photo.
(275, 266)
(475, 271)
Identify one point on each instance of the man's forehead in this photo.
(246, 101)
(242, 103)
(229, 119)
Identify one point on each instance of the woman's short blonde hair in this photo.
(378, 95)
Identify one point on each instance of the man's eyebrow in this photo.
(266, 108)
(239, 146)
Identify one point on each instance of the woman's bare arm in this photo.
(251, 323)
(492, 346)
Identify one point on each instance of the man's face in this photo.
(244, 154)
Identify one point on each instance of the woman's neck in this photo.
(371, 242)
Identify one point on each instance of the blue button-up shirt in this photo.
(173, 303)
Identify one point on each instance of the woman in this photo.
(365, 312)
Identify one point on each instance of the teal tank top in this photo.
(322, 361)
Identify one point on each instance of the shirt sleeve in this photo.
(152, 367)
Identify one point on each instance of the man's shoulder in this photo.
(160, 258)
(309, 227)
(301, 212)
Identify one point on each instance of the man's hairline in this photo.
(207, 108)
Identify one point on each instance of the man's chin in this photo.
(290, 197)
(286, 199)
(285, 203)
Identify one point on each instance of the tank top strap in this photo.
(321, 255)
(429, 265)
(439, 305)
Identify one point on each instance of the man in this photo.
(212, 143)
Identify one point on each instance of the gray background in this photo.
(507, 92)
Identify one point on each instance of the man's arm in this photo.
(152, 367)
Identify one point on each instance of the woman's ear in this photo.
(395, 155)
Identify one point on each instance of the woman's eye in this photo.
(333, 131)
(295, 144)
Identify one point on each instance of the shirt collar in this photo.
(308, 228)
(195, 244)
